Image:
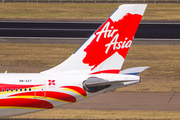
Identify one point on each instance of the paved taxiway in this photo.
(146, 29)
(129, 101)
(53, 40)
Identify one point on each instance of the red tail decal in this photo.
(112, 37)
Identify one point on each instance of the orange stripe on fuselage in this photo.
(75, 89)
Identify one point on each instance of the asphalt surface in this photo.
(44, 40)
(67, 32)
(129, 101)
(153, 30)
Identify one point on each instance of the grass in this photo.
(56, 11)
(102, 114)
(33, 58)
(162, 76)
(83, 11)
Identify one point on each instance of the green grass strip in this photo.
(83, 11)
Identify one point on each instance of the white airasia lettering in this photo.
(110, 33)
(113, 42)
(106, 31)
(117, 45)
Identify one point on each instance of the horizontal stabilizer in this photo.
(105, 83)
(96, 82)
(133, 71)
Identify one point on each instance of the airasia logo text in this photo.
(110, 32)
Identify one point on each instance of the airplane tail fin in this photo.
(105, 50)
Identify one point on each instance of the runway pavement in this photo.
(129, 101)
(76, 32)
(53, 40)
(146, 29)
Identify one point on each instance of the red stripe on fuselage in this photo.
(55, 95)
(77, 89)
(25, 102)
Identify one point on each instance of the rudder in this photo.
(106, 49)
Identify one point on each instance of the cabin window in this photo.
(3, 90)
(29, 89)
(25, 89)
(12, 89)
(7, 90)
(20, 89)
(16, 89)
